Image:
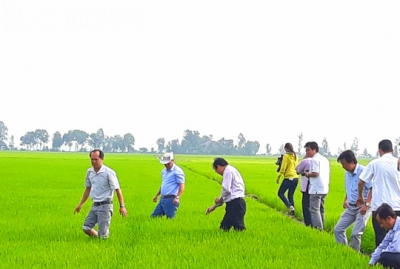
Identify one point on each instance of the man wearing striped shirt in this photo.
(233, 193)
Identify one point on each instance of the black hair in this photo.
(312, 145)
(101, 153)
(347, 155)
(386, 145)
(220, 162)
(385, 211)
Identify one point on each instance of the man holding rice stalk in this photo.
(100, 183)
(233, 193)
(358, 215)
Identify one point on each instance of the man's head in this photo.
(96, 158)
(385, 146)
(386, 216)
(219, 165)
(167, 160)
(311, 148)
(348, 160)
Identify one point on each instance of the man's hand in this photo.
(175, 201)
(77, 209)
(218, 200)
(210, 209)
(345, 204)
(155, 199)
(363, 210)
(123, 211)
(360, 201)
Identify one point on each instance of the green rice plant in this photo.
(39, 229)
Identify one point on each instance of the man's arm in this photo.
(360, 199)
(157, 194)
(364, 208)
(122, 209)
(226, 185)
(85, 196)
(377, 253)
(314, 169)
(180, 191)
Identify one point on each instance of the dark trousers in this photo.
(305, 201)
(234, 215)
(390, 260)
(288, 185)
(380, 233)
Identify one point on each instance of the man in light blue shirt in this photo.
(172, 187)
(358, 215)
(388, 252)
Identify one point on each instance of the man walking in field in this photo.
(233, 193)
(172, 187)
(388, 252)
(319, 184)
(383, 174)
(100, 182)
(358, 215)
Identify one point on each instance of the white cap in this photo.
(166, 158)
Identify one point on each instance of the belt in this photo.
(167, 196)
(102, 203)
(352, 204)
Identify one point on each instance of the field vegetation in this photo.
(39, 230)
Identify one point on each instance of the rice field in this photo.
(39, 230)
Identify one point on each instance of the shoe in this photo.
(291, 213)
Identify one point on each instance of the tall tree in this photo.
(57, 141)
(160, 145)
(41, 137)
(128, 142)
(11, 144)
(3, 131)
(324, 150)
(97, 139)
(268, 148)
(28, 140)
(300, 143)
(354, 146)
(68, 138)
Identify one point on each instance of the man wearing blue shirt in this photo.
(172, 187)
(358, 215)
(388, 252)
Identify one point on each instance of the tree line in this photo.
(191, 143)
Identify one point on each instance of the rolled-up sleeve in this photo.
(226, 184)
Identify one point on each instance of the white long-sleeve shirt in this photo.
(232, 184)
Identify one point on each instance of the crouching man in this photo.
(388, 252)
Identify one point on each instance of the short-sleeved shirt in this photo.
(351, 183)
(103, 183)
(319, 184)
(385, 181)
(171, 180)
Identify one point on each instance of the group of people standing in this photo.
(369, 190)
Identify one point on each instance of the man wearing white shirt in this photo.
(385, 185)
(319, 184)
(388, 252)
(232, 194)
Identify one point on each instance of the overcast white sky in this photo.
(267, 69)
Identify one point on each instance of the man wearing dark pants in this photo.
(388, 251)
(385, 185)
(301, 169)
(233, 193)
